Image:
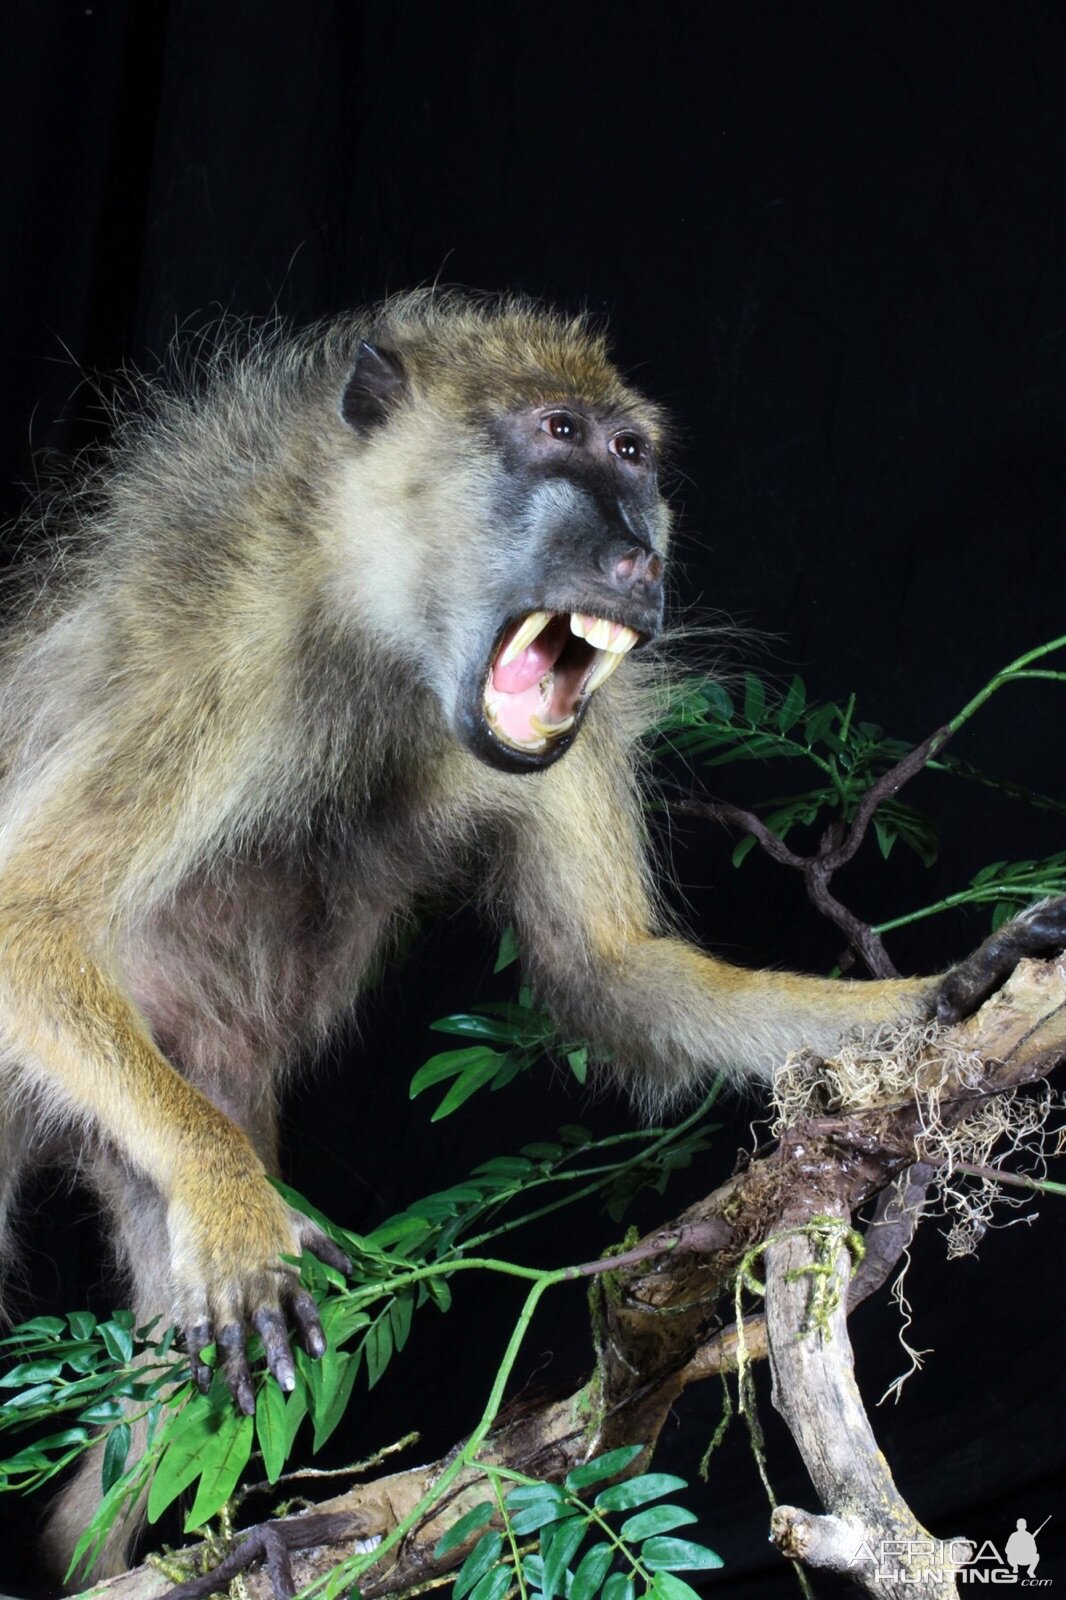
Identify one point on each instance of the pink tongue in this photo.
(527, 668)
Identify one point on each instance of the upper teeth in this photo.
(603, 635)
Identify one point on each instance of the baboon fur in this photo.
(230, 698)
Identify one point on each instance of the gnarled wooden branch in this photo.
(657, 1334)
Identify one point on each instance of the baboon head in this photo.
(529, 534)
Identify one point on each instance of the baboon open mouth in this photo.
(544, 669)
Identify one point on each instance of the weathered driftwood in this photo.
(824, 1168)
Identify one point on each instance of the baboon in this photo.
(346, 617)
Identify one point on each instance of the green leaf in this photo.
(223, 1464)
(558, 1548)
(592, 1572)
(754, 698)
(886, 836)
(295, 1412)
(542, 1151)
(449, 1064)
(508, 952)
(30, 1397)
(41, 1451)
(270, 1428)
(188, 1436)
(507, 1168)
(637, 1491)
(677, 1555)
(118, 1340)
(107, 1512)
(719, 702)
(619, 1586)
(378, 1348)
(819, 721)
(526, 1494)
(602, 1467)
(533, 1570)
(332, 1409)
(792, 706)
(657, 1519)
(666, 1586)
(578, 1061)
(504, 1024)
(48, 1327)
(467, 1084)
(406, 1230)
(534, 1506)
(116, 1450)
(461, 1530)
(28, 1372)
(494, 1585)
(742, 849)
(401, 1311)
(102, 1411)
(439, 1291)
(482, 1557)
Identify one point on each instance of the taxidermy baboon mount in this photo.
(341, 618)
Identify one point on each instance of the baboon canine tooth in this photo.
(534, 625)
(599, 635)
(606, 664)
(622, 638)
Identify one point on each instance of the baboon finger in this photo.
(197, 1336)
(322, 1246)
(235, 1368)
(305, 1315)
(269, 1324)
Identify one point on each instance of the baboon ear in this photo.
(376, 381)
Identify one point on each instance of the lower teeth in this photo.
(551, 730)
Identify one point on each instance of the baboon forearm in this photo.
(665, 1011)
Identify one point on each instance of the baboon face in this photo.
(557, 572)
(579, 488)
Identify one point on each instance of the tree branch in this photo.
(655, 1334)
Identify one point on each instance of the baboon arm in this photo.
(598, 955)
(87, 1055)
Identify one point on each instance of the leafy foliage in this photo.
(704, 721)
(102, 1375)
(849, 755)
(526, 1035)
(578, 1553)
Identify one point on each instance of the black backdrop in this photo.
(829, 237)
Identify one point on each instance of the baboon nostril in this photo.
(637, 569)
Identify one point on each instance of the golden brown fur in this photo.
(232, 768)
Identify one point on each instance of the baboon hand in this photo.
(231, 1280)
(1039, 931)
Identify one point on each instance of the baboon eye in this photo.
(630, 446)
(562, 426)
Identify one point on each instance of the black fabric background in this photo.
(829, 238)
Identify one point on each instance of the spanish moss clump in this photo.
(919, 1065)
(894, 1064)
